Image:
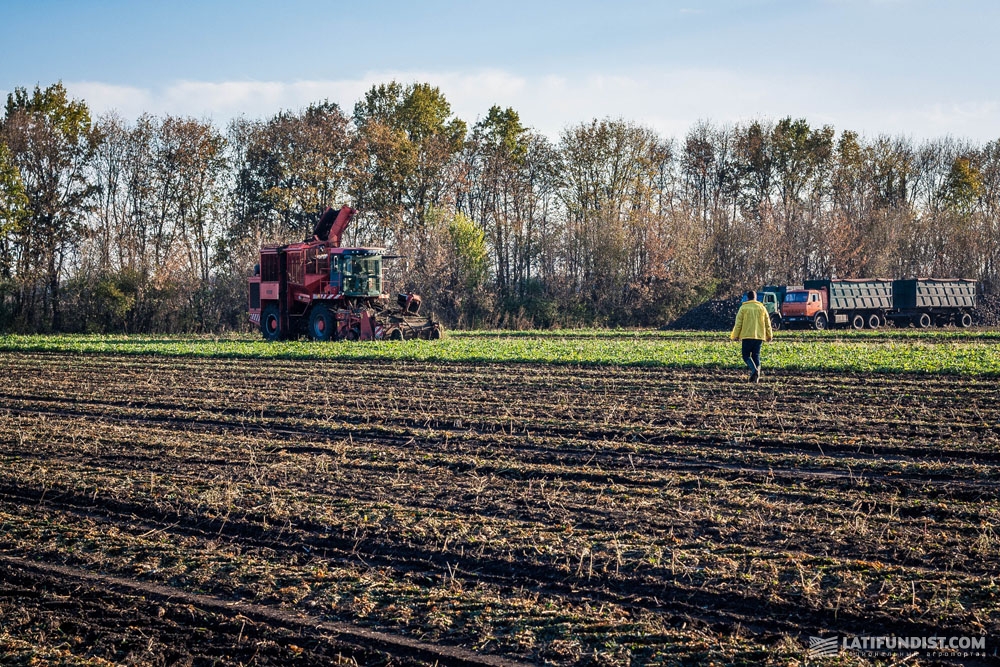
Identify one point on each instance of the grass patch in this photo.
(967, 353)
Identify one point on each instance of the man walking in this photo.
(753, 327)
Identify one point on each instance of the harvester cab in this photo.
(357, 272)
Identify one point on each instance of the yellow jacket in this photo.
(752, 321)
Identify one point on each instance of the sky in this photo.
(922, 69)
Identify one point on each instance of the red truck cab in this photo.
(805, 307)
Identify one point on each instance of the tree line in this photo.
(109, 225)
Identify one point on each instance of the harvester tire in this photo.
(322, 325)
(396, 334)
(270, 323)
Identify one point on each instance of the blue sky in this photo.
(918, 68)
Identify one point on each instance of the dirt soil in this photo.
(270, 512)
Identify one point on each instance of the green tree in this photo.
(503, 132)
(471, 258)
(496, 194)
(13, 212)
(289, 169)
(755, 152)
(451, 268)
(962, 186)
(51, 142)
(508, 183)
(799, 153)
(408, 137)
(13, 208)
(802, 162)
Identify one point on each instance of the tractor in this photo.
(328, 292)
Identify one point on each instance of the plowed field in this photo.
(166, 510)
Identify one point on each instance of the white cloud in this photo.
(669, 101)
(129, 102)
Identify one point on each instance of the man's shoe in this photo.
(754, 376)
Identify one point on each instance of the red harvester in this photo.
(330, 293)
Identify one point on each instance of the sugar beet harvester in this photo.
(328, 292)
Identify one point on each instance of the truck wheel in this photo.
(924, 321)
(270, 323)
(858, 322)
(321, 323)
(874, 321)
(819, 322)
(965, 320)
(776, 321)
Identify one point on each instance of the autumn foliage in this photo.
(152, 224)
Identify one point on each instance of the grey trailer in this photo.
(926, 302)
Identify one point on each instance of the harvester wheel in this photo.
(354, 333)
(396, 334)
(322, 325)
(819, 322)
(270, 322)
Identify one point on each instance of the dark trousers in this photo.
(751, 353)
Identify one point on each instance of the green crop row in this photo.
(883, 335)
(976, 354)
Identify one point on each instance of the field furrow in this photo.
(541, 513)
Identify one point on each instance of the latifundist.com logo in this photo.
(887, 646)
(823, 647)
